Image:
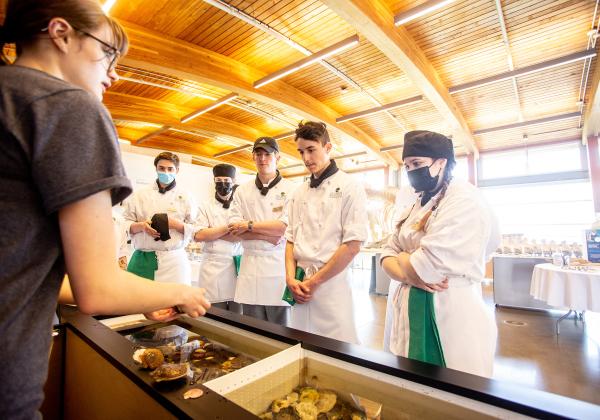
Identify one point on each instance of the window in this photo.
(557, 158)
(558, 211)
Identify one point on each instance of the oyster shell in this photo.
(306, 410)
(170, 372)
(149, 358)
(192, 393)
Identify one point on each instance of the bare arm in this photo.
(290, 275)
(211, 234)
(98, 285)
(268, 228)
(399, 268)
(336, 264)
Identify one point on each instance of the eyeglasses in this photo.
(112, 54)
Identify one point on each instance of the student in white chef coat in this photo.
(221, 249)
(327, 224)
(259, 218)
(438, 254)
(160, 250)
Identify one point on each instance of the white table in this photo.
(566, 288)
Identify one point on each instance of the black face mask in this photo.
(421, 180)
(223, 188)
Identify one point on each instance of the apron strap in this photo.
(143, 263)
(424, 340)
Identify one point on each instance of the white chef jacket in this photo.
(460, 236)
(173, 265)
(261, 280)
(217, 270)
(320, 220)
(146, 202)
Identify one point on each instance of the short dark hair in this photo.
(312, 130)
(167, 156)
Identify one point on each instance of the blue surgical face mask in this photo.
(165, 178)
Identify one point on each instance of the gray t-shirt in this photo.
(58, 146)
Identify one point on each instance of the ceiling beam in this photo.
(374, 20)
(148, 136)
(135, 108)
(153, 51)
(371, 111)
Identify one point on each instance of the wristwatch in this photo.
(250, 223)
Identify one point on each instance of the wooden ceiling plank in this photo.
(375, 21)
(156, 52)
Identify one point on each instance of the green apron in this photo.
(237, 261)
(424, 343)
(287, 294)
(143, 263)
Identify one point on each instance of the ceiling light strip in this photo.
(378, 109)
(528, 123)
(210, 107)
(320, 55)
(234, 150)
(567, 59)
(421, 10)
(240, 14)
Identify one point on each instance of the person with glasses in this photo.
(61, 173)
(259, 218)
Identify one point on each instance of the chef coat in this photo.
(321, 219)
(173, 265)
(261, 280)
(458, 239)
(217, 270)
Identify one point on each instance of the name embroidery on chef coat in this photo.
(281, 196)
(336, 194)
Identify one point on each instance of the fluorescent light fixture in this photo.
(318, 56)
(567, 59)
(108, 4)
(284, 135)
(123, 141)
(421, 10)
(212, 106)
(545, 120)
(378, 109)
(234, 150)
(295, 165)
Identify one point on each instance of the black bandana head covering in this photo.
(265, 190)
(427, 144)
(223, 169)
(329, 171)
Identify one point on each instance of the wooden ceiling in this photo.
(186, 54)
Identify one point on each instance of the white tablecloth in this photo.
(564, 288)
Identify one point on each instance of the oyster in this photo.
(309, 395)
(306, 410)
(292, 397)
(326, 402)
(170, 372)
(278, 405)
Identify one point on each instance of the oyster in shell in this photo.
(149, 358)
(170, 372)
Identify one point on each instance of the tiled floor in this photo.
(530, 354)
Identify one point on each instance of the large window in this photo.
(557, 158)
(554, 211)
